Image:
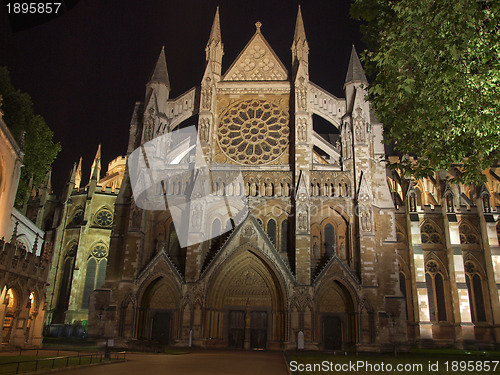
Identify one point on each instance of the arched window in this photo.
(435, 292)
(67, 278)
(89, 282)
(329, 240)
(271, 230)
(284, 236)
(103, 218)
(476, 297)
(468, 235)
(94, 278)
(429, 234)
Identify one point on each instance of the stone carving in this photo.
(366, 220)
(249, 278)
(136, 218)
(248, 231)
(204, 129)
(359, 127)
(302, 97)
(302, 130)
(196, 216)
(206, 94)
(149, 125)
(256, 63)
(303, 220)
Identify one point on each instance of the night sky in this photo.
(86, 68)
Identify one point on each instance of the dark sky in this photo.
(86, 68)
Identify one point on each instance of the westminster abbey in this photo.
(336, 252)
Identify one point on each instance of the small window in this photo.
(104, 218)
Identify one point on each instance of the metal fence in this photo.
(31, 365)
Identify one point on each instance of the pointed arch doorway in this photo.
(337, 317)
(245, 304)
(157, 312)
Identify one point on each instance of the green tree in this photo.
(39, 148)
(436, 65)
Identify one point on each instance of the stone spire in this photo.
(78, 174)
(355, 72)
(160, 74)
(95, 171)
(215, 49)
(300, 47)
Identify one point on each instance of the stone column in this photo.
(491, 248)
(464, 329)
(419, 287)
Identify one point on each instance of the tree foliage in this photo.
(436, 65)
(39, 148)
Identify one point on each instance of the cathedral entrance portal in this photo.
(156, 315)
(258, 330)
(338, 317)
(245, 305)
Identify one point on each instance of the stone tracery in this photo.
(253, 132)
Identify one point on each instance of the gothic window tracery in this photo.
(271, 230)
(429, 234)
(329, 236)
(468, 235)
(476, 294)
(284, 236)
(435, 291)
(253, 132)
(78, 217)
(67, 277)
(103, 218)
(96, 272)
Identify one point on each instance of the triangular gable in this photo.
(249, 232)
(364, 191)
(257, 62)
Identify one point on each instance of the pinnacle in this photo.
(300, 32)
(355, 72)
(160, 73)
(215, 33)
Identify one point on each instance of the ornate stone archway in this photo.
(157, 311)
(336, 318)
(245, 304)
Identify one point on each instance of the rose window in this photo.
(253, 132)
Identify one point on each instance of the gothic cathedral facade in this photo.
(317, 259)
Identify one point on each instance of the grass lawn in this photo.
(425, 362)
(28, 363)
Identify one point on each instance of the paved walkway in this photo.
(202, 362)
